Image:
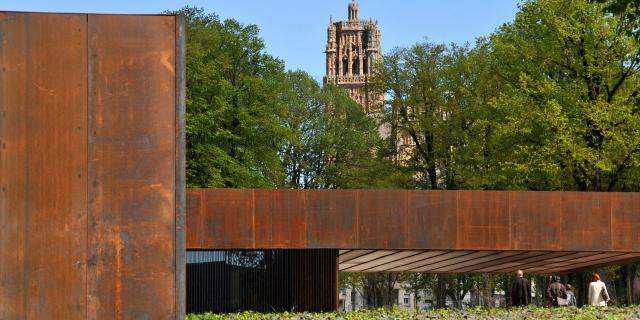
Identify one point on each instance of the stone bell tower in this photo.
(353, 47)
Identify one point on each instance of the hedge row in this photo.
(632, 312)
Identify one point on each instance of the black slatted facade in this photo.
(262, 280)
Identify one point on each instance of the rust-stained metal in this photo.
(180, 39)
(262, 280)
(132, 159)
(91, 167)
(455, 231)
(43, 160)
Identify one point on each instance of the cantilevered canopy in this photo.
(434, 231)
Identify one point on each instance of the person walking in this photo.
(598, 295)
(557, 293)
(571, 296)
(520, 290)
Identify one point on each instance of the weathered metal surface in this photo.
(132, 160)
(13, 164)
(625, 221)
(262, 280)
(483, 220)
(586, 221)
(44, 166)
(404, 219)
(485, 231)
(536, 220)
(330, 219)
(382, 219)
(432, 208)
(180, 174)
(279, 219)
(232, 224)
(90, 158)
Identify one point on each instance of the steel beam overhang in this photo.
(418, 230)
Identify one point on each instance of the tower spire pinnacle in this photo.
(353, 11)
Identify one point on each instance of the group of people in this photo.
(558, 294)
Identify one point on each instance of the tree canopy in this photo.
(549, 101)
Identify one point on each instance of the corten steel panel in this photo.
(230, 219)
(280, 219)
(91, 155)
(180, 169)
(536, 220)
(264, 280)
(434, 211)
(485, 231)
(195, 219)
(133, 160)
(13, 163)
(43, 161)
(586, 221)
(625, 221)
(331, 219)
(382, 219)
(483, 220)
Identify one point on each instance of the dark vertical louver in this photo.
(262, 280)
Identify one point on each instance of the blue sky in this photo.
(295, 31)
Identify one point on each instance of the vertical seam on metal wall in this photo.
(176, 132)
(88, 132)
(357, 214)
(179, 168)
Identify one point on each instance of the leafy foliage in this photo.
(549, 101)
(568, 313)
(251, 124)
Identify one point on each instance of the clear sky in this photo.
(295, 31)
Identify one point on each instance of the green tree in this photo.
(234, 106)
(569, 105)
(302, 154)
(352, 147)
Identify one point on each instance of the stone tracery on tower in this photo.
(353, 47)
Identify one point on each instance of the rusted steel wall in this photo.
(91, 167)
(410, 219)
(262, 280)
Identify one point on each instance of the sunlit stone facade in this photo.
(353, 47)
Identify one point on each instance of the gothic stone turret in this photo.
(353, 47)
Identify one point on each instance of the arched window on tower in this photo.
(345, 66)
(365, 65)
(355, 66)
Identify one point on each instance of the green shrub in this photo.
(632, 312)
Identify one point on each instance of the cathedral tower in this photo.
(353, 47)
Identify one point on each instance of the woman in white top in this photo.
(598, 295)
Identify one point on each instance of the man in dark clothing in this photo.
(520, 291)
(555, 290)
